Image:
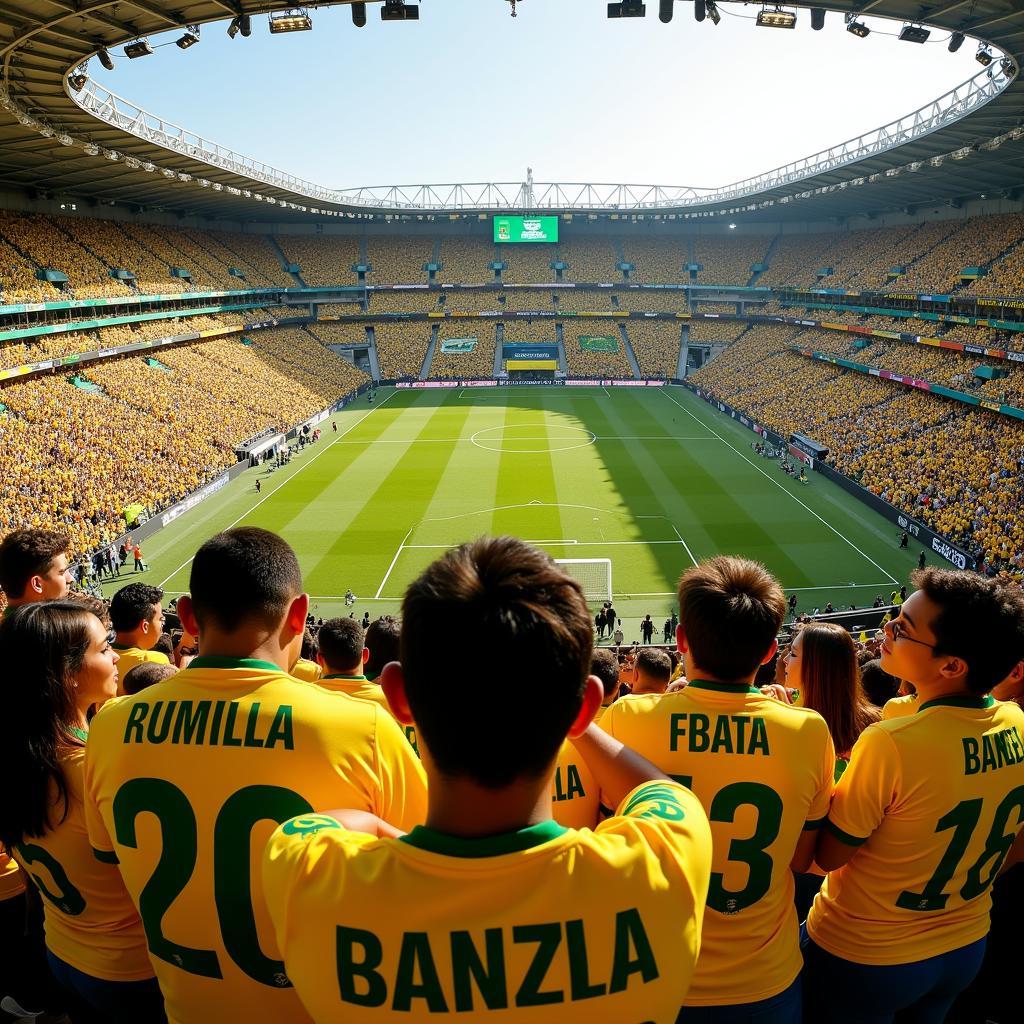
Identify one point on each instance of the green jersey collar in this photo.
(345, 675)
(252, 664)
(424, 838)
(708, 684)
(959, 702)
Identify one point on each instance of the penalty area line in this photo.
(824, 522)
(285, 483)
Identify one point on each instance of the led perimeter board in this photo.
(525, 229)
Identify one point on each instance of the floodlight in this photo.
(78, 80)
(359, 15)
(398, 10)
(105, 59)
(858, 28)
(294, 19)
(984, 56)
(627, 9)
(140, 48)
(91, 149)
(65, 140)
(956, 40)
(665, 11)
(914, 33)
(700, 9)
(1008, 67)
(713, 12)
(190, 38)
(817, 18)
(777, 18)
(47, 132)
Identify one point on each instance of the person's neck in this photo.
(460, 807)
(137, 640)
(940, 689)
(214, 645)
(647, 687)
(344, 673)
(695, 672)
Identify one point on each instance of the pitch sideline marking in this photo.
(284, 483)
(683, 542)
(767, 476)
(401, 548)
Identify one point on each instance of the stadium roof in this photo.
(91, 144)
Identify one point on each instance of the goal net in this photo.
(593, 574)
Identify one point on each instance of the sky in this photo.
(468, 94)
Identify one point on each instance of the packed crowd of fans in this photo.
(728, 260)
(528, 263)
(459, 365)
(587, 362)
(655, 344)
(650, 302)
(402, 302)
(398, 260)
(347, 334)
(466, 259)
(956, 468)
(657, 260)
(401, 348)
(716, 332)
(590, 260)
(322, 259)
(759, 833)
(531, 332)
(569, 300)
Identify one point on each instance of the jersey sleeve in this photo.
(868, 788)
(402, 798)
(818, 811)
(295, 854)
(670, 821)
(99, 838)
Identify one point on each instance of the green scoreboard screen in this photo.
(526, 229)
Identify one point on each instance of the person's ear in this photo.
(187, 614)
(320, 660)
(954, 669)
(771, 652)
(680, 639)
(593, 697)
(392, 682)
(35, 584)
(295, 619)
(366, 655)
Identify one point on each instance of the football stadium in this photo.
(549, 597)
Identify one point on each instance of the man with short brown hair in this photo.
(34, 566)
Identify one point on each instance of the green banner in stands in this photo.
(602, 343)
(458, 346)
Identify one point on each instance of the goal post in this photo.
(593, 574)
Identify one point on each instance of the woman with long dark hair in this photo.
(58, 664)
(822, 664)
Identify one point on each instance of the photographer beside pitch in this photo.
(491, 906)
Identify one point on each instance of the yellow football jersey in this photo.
(12, 878)
(575, 797)
(306, 670)
(763, 771)
(512, 927)
(354, 686)
(899, 707)
(129, 657)
(934, 801)
(361, 688)
(187, 780)
(90, 920)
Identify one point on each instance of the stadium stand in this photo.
(650, 302)
(255, 251)
(657, 261)
(338, 334)
(590, 362)
(40, 347)
(716, 332)
(529, 332)
(796, 258)
(43, 245)
(655, 344)
(467, 301)
(591, 260)
(572, 301)
(526, 299)
(401, 348)
(402, 302)
(398, 260)
(339, 308)
(461, 365)
(465, 261)
(528, 264)
(728, 260)
(322, 259)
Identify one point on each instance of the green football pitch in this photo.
(652, 479)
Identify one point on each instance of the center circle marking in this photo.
(480, 438)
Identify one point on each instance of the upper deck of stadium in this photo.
(75, 138)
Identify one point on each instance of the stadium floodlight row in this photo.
(86, 128)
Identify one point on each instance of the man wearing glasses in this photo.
(138, 621)
(927, 815)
